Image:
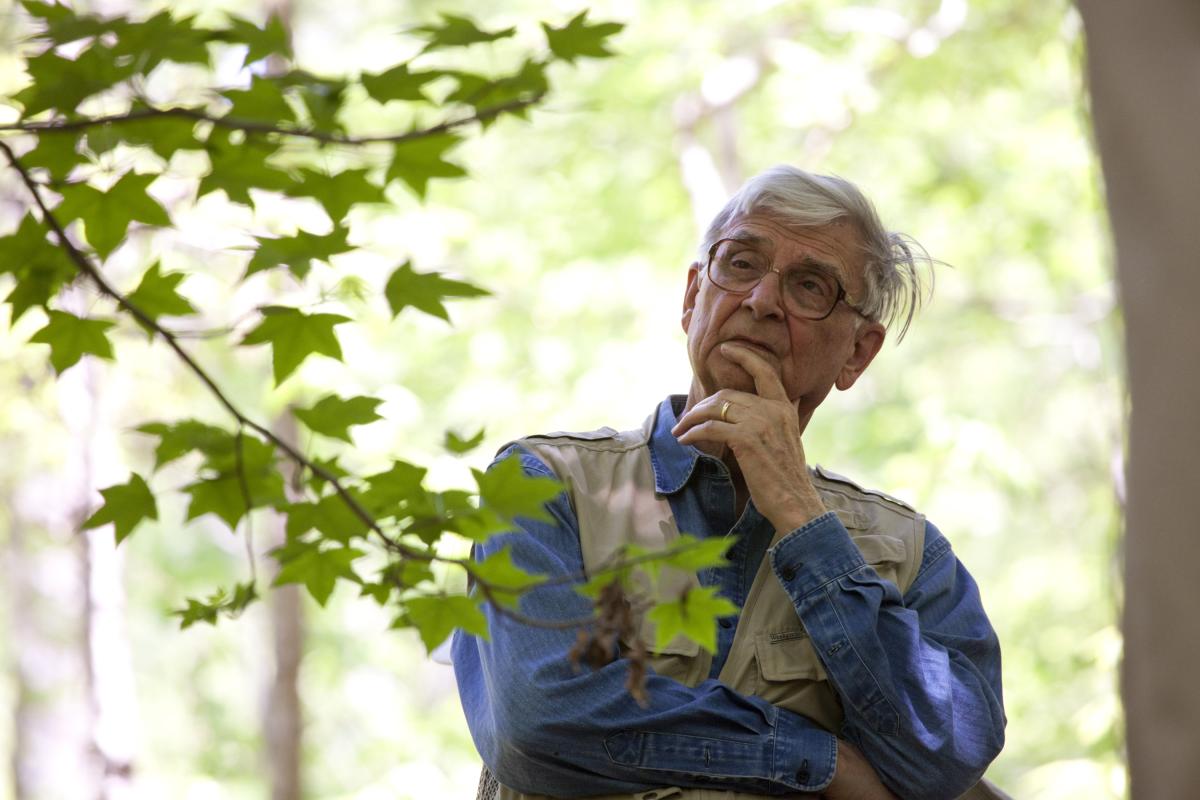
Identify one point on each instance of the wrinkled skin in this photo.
(774, 369)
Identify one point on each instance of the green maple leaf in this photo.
(322, 98)
(333, 416)
(507, 580)
(337, 193)
(425, 291)
(156, 294)
(63, 24)
(220, 496)
(71, 337)
(125, 505)
(196, 611)
(416, 161)
(226, 496)
(507, 490)
(435, 618)
(181, 438)
(264, 100)
(106, 215)
(244, 477)
(254, 457)
(269, 40)
(319, 570)
(397, 485)
(330, 516)
(294, 336)
(56, 152)
(379, 592)
(41, 268)
(160, 38)
(483, 93)
(456, 31)
(479, 524)
(687, 553)
(577, 38)
(330, 465)
(165, 135)
(219, 602)
(63, 83)
(694, 616)
(456, 444)
(297, 252)
(398, 83)
(239, 167)
(697, 554)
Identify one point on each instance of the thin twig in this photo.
(251, 126)
(240, 465)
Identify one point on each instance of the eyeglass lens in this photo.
(807, 291)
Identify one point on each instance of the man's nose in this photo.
(766, 299)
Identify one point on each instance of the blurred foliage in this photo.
(1000, 415)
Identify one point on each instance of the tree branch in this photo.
(252, 126)
(84, 265)
(88, 269)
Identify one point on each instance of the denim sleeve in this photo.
(543, 727)
(918, 675)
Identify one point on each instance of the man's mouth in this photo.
(753, 345)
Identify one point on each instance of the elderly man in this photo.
(861, 663)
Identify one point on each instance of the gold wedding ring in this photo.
(725, 410)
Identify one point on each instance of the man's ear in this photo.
(689, 295)
(867, 342)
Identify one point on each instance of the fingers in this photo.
(766, 380)
(710, 409)
(712, 431)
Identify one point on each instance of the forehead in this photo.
(838, 244)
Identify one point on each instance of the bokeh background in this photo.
(1000, 415)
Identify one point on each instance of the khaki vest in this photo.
(610, 481)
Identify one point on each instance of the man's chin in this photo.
(733, 377)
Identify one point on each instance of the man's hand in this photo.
(855, 778)
(762, 430)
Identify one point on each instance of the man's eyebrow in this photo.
(823, 266)
(811, 262)
(757, 240)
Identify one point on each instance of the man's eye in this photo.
(812, 283)
(743, 264)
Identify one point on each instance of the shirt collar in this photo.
(673, 462)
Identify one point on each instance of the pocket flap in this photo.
(880, 549)
(787, 655)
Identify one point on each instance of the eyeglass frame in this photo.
(842, 295)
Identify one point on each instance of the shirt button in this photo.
(726, 623)
(787, 573)
(802, 777)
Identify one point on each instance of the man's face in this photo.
(810, 356)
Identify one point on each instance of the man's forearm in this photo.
(543, 727)
(919, 677)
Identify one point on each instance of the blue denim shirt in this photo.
(918, 675)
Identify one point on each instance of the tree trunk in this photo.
(283, 716)
(1144, 70)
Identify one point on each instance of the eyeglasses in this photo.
(809, 292)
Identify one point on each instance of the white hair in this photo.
(894, 289)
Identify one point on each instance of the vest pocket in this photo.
(791, 676)
(884, 554)
(787, 656)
